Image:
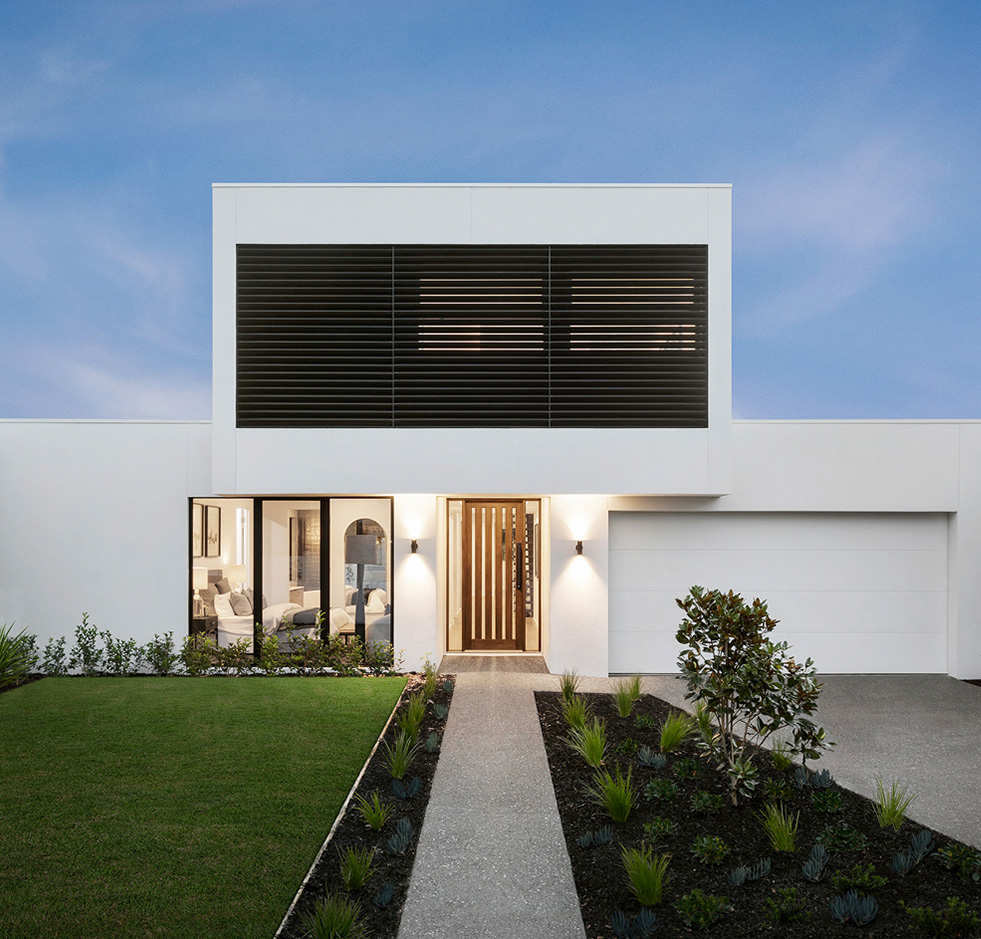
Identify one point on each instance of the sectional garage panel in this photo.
(855, 592)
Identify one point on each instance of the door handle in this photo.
(519, 580)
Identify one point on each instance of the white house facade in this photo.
(492, 418)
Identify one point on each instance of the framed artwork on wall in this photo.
(197, 530)
(212, 531)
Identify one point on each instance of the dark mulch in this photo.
(602, 884)
(383, 923)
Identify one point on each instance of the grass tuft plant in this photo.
(569, 685)
(399, 758)
(781, 756)
(16, 656)
(410, 717)
(575, 710)
(615, 793)
(335, 917)
(374, 812)
(780, 827)
(675, 729)
(646, 872)
(890, 806)
(626, 694)
(356, 867)
(589, 742)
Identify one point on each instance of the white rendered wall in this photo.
(693, 461)
(417, 635)
(578, 604)
(94, 518)
(906, 467)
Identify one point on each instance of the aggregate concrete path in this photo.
(492, 860)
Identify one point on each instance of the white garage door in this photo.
(855, 592)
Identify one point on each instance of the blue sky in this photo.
(851, 133)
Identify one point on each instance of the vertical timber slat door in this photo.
(494, 611)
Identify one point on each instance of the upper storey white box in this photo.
(472, 339)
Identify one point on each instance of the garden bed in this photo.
(388, 867)
(603, 886)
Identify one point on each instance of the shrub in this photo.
(675, 729)
(699, 909)
(160, 654)
(953, 920)
(661, 790)
(686, 768)
(271, 659)
(615, 793)
(841, 838)
(356, 868)
(964, 860)
(780, 827)
(749, 686)
(706, 803)
(626, 695)
(627, 747)
(198, 654)
(86, 654)
(399, 758)
(778, 790)
(786, 907)
(890, 807)
(17, 656)
(122, 656)
(710, 849)
(335, 917)
(860, 879)
(827, 800)
(658, 828)
(53, 658)
(374, 812)
(647, 873)
(589, 742)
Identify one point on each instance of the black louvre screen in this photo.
(471, 336)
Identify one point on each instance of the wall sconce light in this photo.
(414, 547)
(579, 548)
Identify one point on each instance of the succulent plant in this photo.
(384, 895)
(406, 790)
(640, 926)
(822, 779)
(855, 908)
(646, 757)
(814, 867)
(433, 741)
(400, 841)
(441, 710)
(920, 845)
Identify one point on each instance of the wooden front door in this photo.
(493, 575)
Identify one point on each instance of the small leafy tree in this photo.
(749, 686)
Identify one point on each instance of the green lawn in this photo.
(172, 806)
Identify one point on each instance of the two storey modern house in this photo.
(492, 418)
